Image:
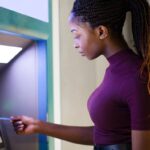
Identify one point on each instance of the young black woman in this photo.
(120, 106)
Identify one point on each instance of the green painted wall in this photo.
(35, 29)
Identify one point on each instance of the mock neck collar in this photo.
(119, 56)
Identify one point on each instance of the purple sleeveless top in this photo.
(121, 103)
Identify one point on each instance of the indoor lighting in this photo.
(8, 52)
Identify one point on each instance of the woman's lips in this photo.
(82, 53)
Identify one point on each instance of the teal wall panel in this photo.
(21, 24)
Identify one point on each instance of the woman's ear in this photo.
(102, 32)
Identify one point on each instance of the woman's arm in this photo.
(140, 140)
(26, 125)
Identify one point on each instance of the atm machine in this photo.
(24, 81)
(23, 92)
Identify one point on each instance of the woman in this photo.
(120, 106)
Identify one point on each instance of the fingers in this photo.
(24, 124)
(15, 118)
(18, 124)
(19, 129)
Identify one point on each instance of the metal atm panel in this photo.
(18, 96)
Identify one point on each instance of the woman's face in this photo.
(86, 40)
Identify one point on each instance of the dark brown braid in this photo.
(106, 12)
(141, 32)
(112, 14)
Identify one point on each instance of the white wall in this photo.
(34, 8)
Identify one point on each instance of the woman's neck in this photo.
(114, 46)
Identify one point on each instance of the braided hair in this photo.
(112, 13)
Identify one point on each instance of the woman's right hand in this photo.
(24, 125)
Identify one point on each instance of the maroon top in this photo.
(121, 102)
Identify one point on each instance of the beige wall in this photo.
(77, 80)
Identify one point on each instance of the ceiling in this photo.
(11, 40)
